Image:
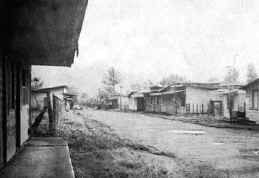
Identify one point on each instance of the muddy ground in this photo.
(98, 152)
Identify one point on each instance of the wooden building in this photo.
(180, 98)
(136, 101)
(228, 103)
(33, 33)
(252, 100)
(38, 96)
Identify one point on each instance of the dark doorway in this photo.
(217, 108)
(140, 104)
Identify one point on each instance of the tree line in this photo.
(113, 78)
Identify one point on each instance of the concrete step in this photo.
(42, 157)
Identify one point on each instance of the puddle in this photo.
(191, 132)
(217, 143)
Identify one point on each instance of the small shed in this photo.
(228, 103)
(136, 101)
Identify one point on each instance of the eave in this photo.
(45, 32)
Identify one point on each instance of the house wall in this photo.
(1, 111)
(14, 106)
(148, 104)
(11, 112)
(252, 113)
(239, 102)
(170, 103)
(123, 102)
(58, 92)
(198, 99)
(133, 104)
(37, 100)
(25, 98)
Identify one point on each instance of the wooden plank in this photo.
(11, 113)
(5, 109)
(1, 113)
(18, 105)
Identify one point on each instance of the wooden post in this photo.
(55, 110)
(50, 113)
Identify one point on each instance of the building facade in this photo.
(38, 96)
(193, 98)
(33, 33)
(252, 100)
(136, 101)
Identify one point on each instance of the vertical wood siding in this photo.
(1, 112)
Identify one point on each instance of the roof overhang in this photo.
(167, 93)
(250, 84)
(46, 32)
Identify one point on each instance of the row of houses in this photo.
(216, 99)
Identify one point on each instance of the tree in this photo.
(213, 80)
(232, 75)
(111, 79)
(171, 79)
(102, 96)
(251, 73)
(136, 87)
(83, 98)
(36, 83)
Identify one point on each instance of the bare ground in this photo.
(96, 151)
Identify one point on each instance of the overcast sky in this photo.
(150, 39)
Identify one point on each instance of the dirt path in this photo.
(96, 151)
(228, 152)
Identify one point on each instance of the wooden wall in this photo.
(1, 112)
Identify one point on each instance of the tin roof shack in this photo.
(118, 101)
(228, 103)
(180, 98)
(198, 96)
(252, 100)
(136, 101)
(150, 98)
(112, 102)
(38, 97)
(33, 33)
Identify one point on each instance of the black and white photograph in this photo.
(129, 89)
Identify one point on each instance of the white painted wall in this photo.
(133, 104)
(198, 96)
(25, 115)
(123, 102)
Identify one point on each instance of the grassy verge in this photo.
(96, 151)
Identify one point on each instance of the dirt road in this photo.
(234, 152)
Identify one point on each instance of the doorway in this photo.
(217, 108)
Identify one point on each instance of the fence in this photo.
(46, 118)
(58, 109)
(196, 109)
